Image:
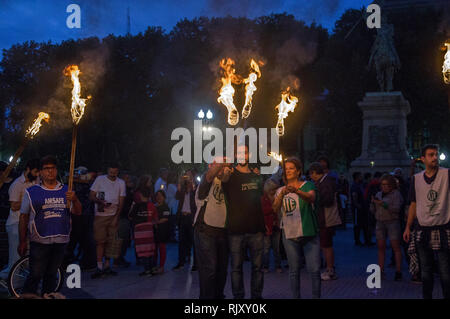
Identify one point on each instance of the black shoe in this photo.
(98, 274)
(109, 272)
(398, 276)
(147, 273)
(178, 267)
(358, 243)
(369, 244)
(194, 268)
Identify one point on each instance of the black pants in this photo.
(212, 253)
(45, 259)
(186, 240)
(361, 223)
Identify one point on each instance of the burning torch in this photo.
(30, 133)
(77, 110)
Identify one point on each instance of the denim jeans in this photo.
(13, 243)
(272, 241)
(238, 243)
(45, 259)
(212, 256)
(426, 260)
(311, 249)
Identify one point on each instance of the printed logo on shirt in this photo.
(51, 214)
(432, 195)
(289, 205)
(54, 202)
(218, 193)
(249, 186)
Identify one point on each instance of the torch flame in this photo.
(250, 88)
(227, 91)
(34, 129)
(276, 156)
(446, 65)
(78, 103)
(287, 104)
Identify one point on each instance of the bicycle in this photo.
(19, 273)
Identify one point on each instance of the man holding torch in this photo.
(45, 214)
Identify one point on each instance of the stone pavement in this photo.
(351, 264)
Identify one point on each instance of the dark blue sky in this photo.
(43, 20)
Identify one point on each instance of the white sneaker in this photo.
(328, 275)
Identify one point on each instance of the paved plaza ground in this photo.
(351, 264)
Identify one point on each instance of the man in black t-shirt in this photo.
(245, 224)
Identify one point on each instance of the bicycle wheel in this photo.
(19, 273)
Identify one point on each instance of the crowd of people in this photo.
(229, 214)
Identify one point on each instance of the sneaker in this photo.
(109, 272)
(98, 274)
(279, 270)
(178, 267)
(147, 273)
(328, 275)
(398, 276)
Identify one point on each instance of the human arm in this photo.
(23, 224)
(77, 208)
(411, 216)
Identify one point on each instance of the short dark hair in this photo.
(429, 147)
(324, 159)
(296, 161)
(355, 175)
(49, 159)
(316, 167)
(377, 175)
(368, 175)
(113, 165)
(33, 163)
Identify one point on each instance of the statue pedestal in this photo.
(384, 133)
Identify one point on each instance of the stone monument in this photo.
(384, 113)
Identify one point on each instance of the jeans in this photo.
(45, 259)
(238, 243)
(274, 242)
(212, 256)
(13, 243)
(311, 249)
(186, 239)
(426, 260)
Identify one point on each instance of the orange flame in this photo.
(34, 129)
(78, 103)
(446, 65)
(276, 156)
(287, 104)
(227, 91)
(250, 88)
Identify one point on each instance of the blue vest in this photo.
(52, 216)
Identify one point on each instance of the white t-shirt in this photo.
(110, 191)
(16, 191)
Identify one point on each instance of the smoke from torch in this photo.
(250, 88)
(227, 91)
(34, 129)
(446, 65)
(287, 104)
